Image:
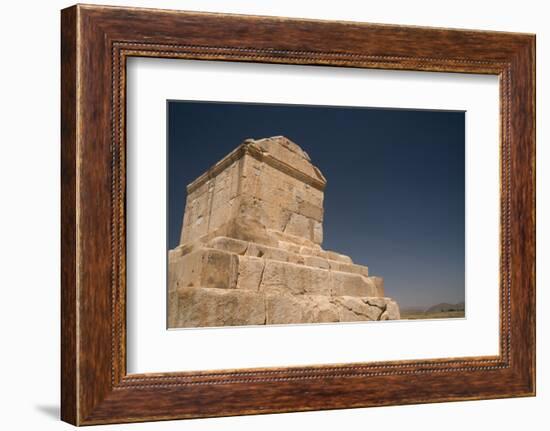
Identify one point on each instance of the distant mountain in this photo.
(444, 306)
(413, 309)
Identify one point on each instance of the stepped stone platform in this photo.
(250, 249)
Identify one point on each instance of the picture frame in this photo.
(96, 42)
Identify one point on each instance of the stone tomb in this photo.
(250, 249)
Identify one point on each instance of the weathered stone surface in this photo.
(250, 272)
(284, 308)
(204, 307)
(348, 267)
(316, 262)
(218, 307)
(266, 252)
(228, 244)
(290, 247)
(379, 283)
(289, 278)
(317, 232)
(204, 268)
(353, 308)
(282, 148)
(350, 284)
(250, 250)
(391, 311)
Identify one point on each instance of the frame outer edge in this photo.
(88, 397)
(528, 62)
(533, 54)
(523, 217)
(69, 195)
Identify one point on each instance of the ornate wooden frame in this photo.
(95, 43)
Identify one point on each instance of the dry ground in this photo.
(416, 315)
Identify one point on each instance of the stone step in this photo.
(215, 268)
(207, 307)
(285, 253)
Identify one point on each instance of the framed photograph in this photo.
(263, 214)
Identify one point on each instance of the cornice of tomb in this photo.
(248, 147)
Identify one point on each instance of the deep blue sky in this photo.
(395, 182)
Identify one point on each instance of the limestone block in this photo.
(310, 210)
(198, 191)
(220, 216)
(289, 246)
(236, 178)
(196, 224)
(304, 193)
(308, 251)
(267, 252)
(250, 272)
(177, 273)
(180, 250)
(228, 244)
(200, 307)
(272, 212)
(317, 262)
(349, 284)
(332, 255)
(301, 241)
(221, 191)
(277, 214)
(392, 311)
(299, 225)
(289, 278)
(317, 232)
(379, 283)
(355, 309)
(173, 308)
(284, 309)
(204, 268)
(297, 259)
(377, 302)
(249, 224)
(286, 144)
(348, 267)
(282, 152)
